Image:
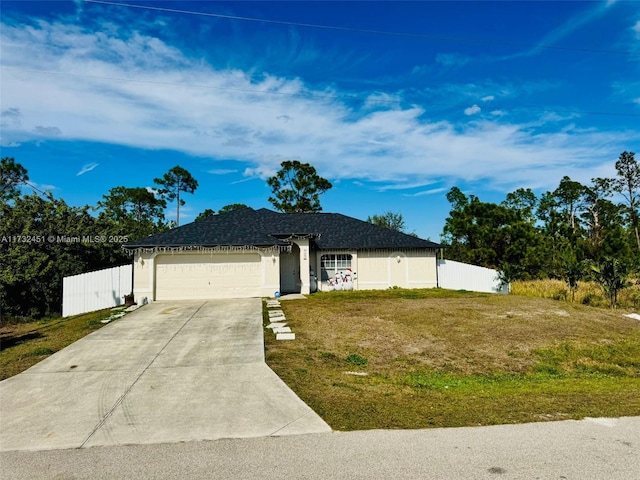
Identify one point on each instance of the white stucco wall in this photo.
(375, 269)
(381, 269)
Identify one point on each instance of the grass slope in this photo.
(437, 358)
(23, 345)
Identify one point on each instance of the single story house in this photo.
(255, 253)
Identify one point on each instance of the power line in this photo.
(367, 31)
(314, 95)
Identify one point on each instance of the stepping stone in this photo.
(276, 325)
(282, 330)
(275, 313)
(285, 336)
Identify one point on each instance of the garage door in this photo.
(196, 276)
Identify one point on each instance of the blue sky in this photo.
(394, 103)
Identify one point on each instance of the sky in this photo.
(394, 102)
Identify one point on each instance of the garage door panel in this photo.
(194, 276)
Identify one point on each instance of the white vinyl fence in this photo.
(96, 290)
(462, 276)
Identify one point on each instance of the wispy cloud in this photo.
(403, 186)
(432, 191)
(131, 99)
(47, 131)
(452, 59)
(87, 168)
(488, 98)
(586, 16)
(222, 171)
(38, 187)
(472, 110)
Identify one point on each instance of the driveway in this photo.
(167, 372)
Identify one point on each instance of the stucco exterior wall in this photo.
(257, 272)
(143, 270)
(381, 269)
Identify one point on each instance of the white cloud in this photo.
(47, 131)
(403, 186)
(222, 171)
(432, 191)
(636, 29)
(38, 187)
(377, 100)
(87, 168)
(498, 113)
(584, 17)
(472, 110)
(452, 59)
(169, 105)
(488, 98)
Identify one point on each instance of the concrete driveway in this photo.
(168, 372)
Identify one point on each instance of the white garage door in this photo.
(196, 276)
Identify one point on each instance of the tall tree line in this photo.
(573, 232)
(42, 239)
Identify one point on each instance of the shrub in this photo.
(355, 359)
(593, 300)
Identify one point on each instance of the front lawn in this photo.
(438, 358)
(22, 345)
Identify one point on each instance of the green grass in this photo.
(24, 344)
(437, 358)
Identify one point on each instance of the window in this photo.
(332, 263)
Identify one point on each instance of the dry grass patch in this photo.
(587, 293)
(443, 358)
(22, 345)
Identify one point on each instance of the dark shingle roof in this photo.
(264, 227)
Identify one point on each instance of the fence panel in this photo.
(462, 276)
(96, 290)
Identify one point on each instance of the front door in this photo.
(290, 270)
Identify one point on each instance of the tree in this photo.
(31, 272)
(491, 235)
(573, 270)
(628, 185)
(297, 187)
(12, 175)
(208, 212)
(569, 195)
(600, 214)
(135, 212)
(172, 183)
(457, 199)
(390, 220)
(231, 207)
(611, 275)
(523, 201)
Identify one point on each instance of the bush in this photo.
(355, 359)
(593, 300)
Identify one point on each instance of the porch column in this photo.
(305, 285)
